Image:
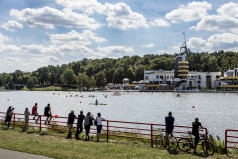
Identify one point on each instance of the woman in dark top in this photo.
(9, 115)
(87, 124)
(81, 117)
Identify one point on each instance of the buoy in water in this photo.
(80, 102)
(56, 116)
(193, 106)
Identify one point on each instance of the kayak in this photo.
(97, 104)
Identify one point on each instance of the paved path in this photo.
(9, 154)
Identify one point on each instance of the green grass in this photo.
(55, 145)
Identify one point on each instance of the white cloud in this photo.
(114, 51)
(225, 21)
(13, 59)
(74, 42)
(50, 17)
(11, 25)
(160, 22)
(229, 9)
(198, 44)
(87, 6)
(119, 15)
(3, 39)
(73, 37)
(33, 49)
(224, 41)
(148, 45)
(192, 12)
(217, 23)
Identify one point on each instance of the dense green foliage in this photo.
(88, 73)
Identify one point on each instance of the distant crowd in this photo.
(90, 120)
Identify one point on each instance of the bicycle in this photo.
(160, 140)
(185, 144)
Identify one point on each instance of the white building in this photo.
(194, 79)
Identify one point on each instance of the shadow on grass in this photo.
(173, 151)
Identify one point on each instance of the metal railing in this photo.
(111, 128)
(229, 135)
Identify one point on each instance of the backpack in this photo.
(91, 121)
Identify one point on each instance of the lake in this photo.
(216, 111)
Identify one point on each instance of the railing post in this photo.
(107, 130)
(151, 134)
(14, 120)
(40, 123)
(226, 142)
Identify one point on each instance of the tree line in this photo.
(88, 73)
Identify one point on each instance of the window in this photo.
(161, 77)
(217, 76)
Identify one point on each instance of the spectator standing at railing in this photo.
(35, 112)
(195, 131)
(70, 123)
(169, 126)
(81, 117)
(87, 124)
(47, 112)
(9, 116)
(26, 113)
(99, 125)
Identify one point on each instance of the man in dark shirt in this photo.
(169, 125)
(48, 113)
(195, 132)
(70, 123)
(81, 117)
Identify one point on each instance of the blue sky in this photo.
(36, 33)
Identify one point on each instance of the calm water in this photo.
(217, 112)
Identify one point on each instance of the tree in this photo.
(101, 79)
(30, 83)
(118, 75)
(68, 76)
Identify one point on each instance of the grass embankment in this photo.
(55, 145)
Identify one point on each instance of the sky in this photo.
(37, 33)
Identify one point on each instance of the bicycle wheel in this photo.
(184, 144)
(173, 143)
(159, 141)
(208, 148)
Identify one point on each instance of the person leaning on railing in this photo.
(87, 124)
(35, 112)
(47, 112)
(195, 131)
(98, 122)
(70, 123)
(26, 113)
(81, 117)
(9, 116)
(169, 126)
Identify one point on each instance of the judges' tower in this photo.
(181, 65)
